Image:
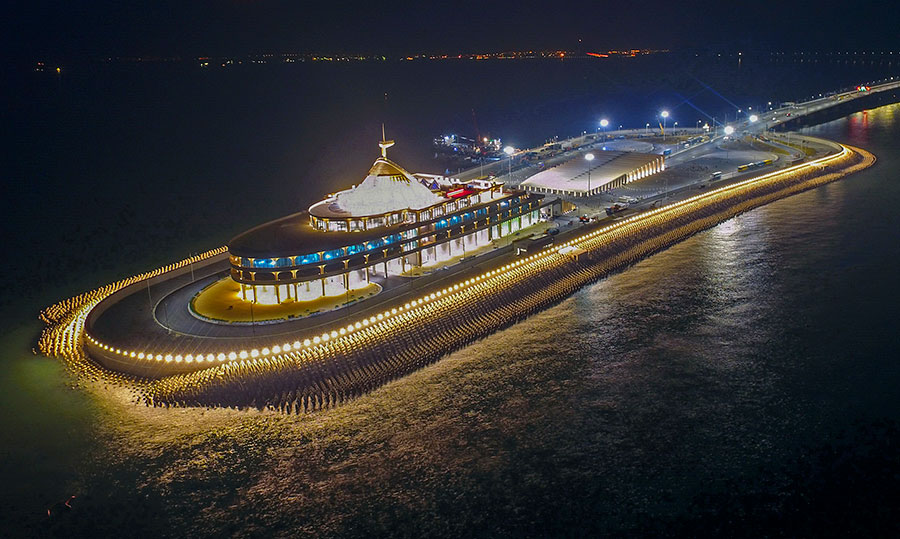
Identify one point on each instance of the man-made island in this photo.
(391, 274)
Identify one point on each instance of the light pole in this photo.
(648, 128)
(509, 150)
(664, 114)
(589, 157)
(603, 123)
(728, 132)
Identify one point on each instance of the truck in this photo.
(533, 244)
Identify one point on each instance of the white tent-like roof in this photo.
(387, 188)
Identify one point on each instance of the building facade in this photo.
(388, 225)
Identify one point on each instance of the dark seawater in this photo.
(741, 382)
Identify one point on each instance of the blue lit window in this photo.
(329, 255)
(283, 263)
(263, 263)
(440, 224)
(482, 212)
(374, 244)
(466, 216)
(354, 249)
(391, 239)
(308, 259)
(454, 219)
(504, 203)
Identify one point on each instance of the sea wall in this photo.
(357, 362)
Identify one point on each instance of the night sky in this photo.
(96, 28)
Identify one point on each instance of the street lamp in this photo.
(589, 157)
(664, 114)
(509, 150)
(648, 128)
(753, 118)
(728, 130)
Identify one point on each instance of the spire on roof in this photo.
(384, 144)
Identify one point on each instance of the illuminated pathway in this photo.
(360, 354)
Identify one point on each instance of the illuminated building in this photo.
(609, 170)
(389, 224)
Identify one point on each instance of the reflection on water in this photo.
(710, 364)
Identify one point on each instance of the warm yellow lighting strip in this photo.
(66, 319)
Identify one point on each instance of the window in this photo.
(354, 249)
(308, 259)
(374, 244)
(455, 219)
(440, 224)
(283, 263)
(330, 255)
(263, 263)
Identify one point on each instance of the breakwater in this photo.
(361, 357)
